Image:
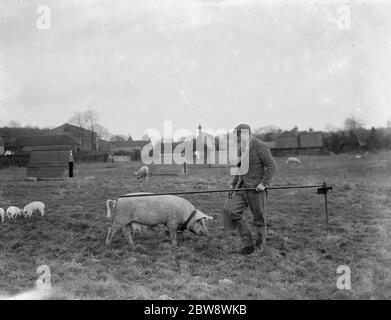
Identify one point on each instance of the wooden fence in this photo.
(14, 161)
(22, 160)
(90, 157)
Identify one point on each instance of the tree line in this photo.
(352, 137)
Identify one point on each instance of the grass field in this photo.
(300, 262)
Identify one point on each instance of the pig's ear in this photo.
(200, 215)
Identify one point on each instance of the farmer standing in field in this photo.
(256, 169)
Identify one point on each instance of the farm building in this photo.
(297, 143)
(166, 153)
(2, 144)
(270, 144)
(28, 144)
(188, 146)
(87, 139)
(48, 163)
(105, 146)
(287, 143)
(128, 146)
(310, 140)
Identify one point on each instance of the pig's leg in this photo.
(173, 234)
(128, 234)
(110, 234)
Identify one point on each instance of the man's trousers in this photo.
(256, 201)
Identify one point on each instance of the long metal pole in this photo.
(325, 206)
(214, 190)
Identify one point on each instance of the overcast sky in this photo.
(212, 62)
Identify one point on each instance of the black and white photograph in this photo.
(197, 150)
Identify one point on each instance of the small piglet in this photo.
(13, 212)
(35, 206)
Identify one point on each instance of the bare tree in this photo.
(102, 132)
(14, 124)
(353, 123)
(266, 129)
(78, 119)
(145, 137)
(118, 138)
(330, 128)
(91, 118)
(130, 138)
(182, 139)
(86, 119)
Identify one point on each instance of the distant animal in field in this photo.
(143, 173)
(359, 156)
(293, 160)
(2, 214)
(172, 211)
(13, 212)
(35, 206)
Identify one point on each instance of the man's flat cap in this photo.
(241, 127)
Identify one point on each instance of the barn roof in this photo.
(313, 139)
(45, 141)
(131, 143)
(286, 143)
(73, 126)
(107, 142)
(270, 144)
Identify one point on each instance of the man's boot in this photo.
(261, 238)
(247, 239)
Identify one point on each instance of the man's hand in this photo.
(260, 187)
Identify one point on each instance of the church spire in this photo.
(199, 130)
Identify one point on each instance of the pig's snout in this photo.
(203, 233)
(199, 228)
